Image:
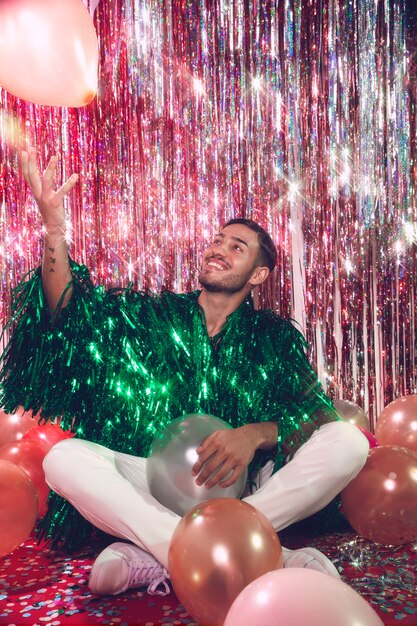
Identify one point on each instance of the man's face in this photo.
(229, 262)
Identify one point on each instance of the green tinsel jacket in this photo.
(120, 364)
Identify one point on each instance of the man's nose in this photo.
(221, 248)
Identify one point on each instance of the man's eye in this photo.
(237, 247)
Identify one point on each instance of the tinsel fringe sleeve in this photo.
(38, 365)
(41, 369)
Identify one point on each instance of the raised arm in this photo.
(56, 273)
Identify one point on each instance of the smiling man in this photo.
(121, 364)
(235, 260)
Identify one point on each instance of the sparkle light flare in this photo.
(302, 122)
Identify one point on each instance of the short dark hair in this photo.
(267, 250)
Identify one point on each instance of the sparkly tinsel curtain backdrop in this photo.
(297, 113)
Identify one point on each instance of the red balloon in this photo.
(381, 502)
(29, 455)
(48, 52)
(218, 548)
(18, 507)
(372, 440)
(397, 424)
(14, 425)
(48, 435)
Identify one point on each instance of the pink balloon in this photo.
(300, 597)
(14, 425)
(397, 424)
(18, 506)
(48, 51)
(372, 440)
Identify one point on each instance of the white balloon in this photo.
(173, 454)
(351, 412)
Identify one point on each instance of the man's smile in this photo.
(217, 264)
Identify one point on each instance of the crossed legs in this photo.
(110, 489)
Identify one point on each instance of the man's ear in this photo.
(259, 276)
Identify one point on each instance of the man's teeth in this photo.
(216, 265)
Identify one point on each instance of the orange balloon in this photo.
(381, 502)
(18, 507)
(397, 424)
(48, 51)
(14, 425)
(218, 548)
(29, 455)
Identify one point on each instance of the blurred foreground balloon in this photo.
(47, 434)
(48, 52)
(351, 412)
(397, 424)
(14, 425)
(381, 502)
(300, 597)
(18, 507)
(173, 454)
(29, 455)
(217, 549)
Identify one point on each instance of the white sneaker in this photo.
(309, 558)
(123, 566)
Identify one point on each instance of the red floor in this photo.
(40, 587)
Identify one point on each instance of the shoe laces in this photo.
(162, 580)
(149, 572)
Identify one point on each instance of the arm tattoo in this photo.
(51, 258)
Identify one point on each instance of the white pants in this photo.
(110, 489)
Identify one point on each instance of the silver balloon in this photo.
(173, 455)
(351, 412)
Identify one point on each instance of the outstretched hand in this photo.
(49, 200)
(224, 452)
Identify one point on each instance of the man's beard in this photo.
(227, 284)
